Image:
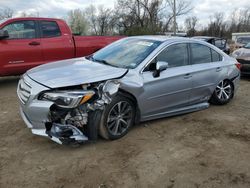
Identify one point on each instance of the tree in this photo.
(100, 19)
(190, 24)
(77, 22)
(182, 7)
(239, 21)
(31, 14)
(90, 13)
(148, 16)
(138, 16)
(6, 13)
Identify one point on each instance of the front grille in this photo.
(23, 91)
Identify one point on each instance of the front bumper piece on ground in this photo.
(61, 134)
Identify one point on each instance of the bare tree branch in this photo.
(6, 13)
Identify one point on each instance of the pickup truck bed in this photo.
(88, 44)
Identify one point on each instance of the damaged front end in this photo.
(70, 119)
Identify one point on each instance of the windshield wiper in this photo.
(89, 57)
(103, 61)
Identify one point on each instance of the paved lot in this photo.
(209, 148)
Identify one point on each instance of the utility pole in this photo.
(174, 17)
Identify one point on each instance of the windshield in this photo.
(220, 43)
(126, 53)
(247, 46)
(243, 40)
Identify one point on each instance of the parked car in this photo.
(218, 42)
(134, 79)
(29, 42)
(241, 41)
(243, 56)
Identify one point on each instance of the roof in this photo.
(161, 38)
(205, 37)
(28, 18)
(170, 39)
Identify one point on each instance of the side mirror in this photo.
(160, 66)
(4, 34)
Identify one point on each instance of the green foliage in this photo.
(77, 22)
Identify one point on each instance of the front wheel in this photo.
(117, 118)
(223, 93)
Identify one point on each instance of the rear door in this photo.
(22, 50)
(207, 70)
(171, 90)
(56, 45)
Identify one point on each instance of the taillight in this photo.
(238, 65)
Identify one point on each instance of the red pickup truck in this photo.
(29, 42)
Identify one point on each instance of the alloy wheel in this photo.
(119, 118)
(224, 90)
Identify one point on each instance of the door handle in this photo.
(187, 76)
(34, 43)
(218, 69)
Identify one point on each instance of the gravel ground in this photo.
(209, 148)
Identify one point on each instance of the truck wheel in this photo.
(223, 93)
(117, 118)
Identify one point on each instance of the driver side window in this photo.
(21, 30)
(175, 55)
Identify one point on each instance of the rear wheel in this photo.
(117, 118)
(223, 93)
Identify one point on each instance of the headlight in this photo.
(67, 99)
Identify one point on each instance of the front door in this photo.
(22, 50)
(171, 90)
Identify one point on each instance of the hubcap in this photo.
(119, 118)
(224, 90)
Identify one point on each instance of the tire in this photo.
(93, 125)
(117, 118)
(223, 93)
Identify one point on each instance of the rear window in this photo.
(50, 29)
(220, 43)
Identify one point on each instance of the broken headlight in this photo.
(67, 99)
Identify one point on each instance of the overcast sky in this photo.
(59, 8)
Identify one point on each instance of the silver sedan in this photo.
(132, 80)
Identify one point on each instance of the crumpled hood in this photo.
(73, 72)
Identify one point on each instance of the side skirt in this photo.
(184, 110)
